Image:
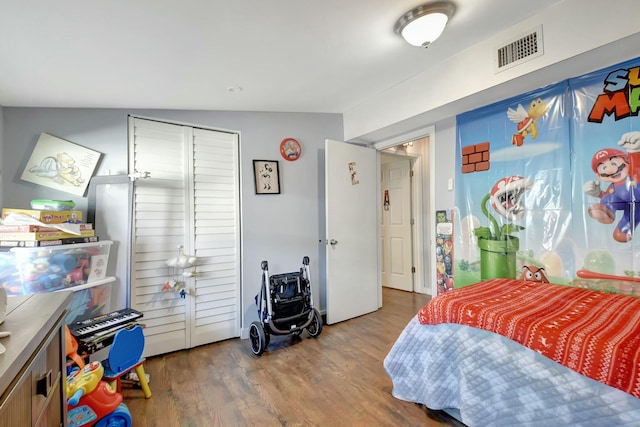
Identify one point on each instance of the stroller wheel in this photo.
(315, 327)
(257, 338)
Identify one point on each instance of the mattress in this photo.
(595, 333)
(494, 381)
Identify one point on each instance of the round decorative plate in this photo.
(290, 149)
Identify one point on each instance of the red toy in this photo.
(92, 402)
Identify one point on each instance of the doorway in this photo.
(396, 222)
(404, 246)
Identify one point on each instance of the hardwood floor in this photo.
(336, 379)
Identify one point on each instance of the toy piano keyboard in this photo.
(97, 332)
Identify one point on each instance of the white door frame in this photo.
(424, 280)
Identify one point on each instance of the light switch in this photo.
(450, 184)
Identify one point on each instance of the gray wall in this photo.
(278, 228)
(445, 163)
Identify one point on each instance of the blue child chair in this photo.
(125, 354)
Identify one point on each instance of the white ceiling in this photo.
(286, 55)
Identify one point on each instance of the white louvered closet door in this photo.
(191, 199)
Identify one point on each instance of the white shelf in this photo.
(108, 279)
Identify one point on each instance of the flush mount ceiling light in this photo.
(422, 25)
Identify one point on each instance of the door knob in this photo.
(333, 242)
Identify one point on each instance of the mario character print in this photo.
(620, 171)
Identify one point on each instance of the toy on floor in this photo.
(93, 402)
(71, 346)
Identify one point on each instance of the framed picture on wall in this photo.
(60, 164)
(266, 176)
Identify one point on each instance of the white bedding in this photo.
(494, 381)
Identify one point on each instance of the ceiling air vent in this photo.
(520, 50)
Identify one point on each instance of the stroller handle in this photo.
(305, 260)
(264, 265)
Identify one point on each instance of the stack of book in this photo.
(29, 235)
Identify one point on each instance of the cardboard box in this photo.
(47, 217)
(41, 243)
(45, 235)
(29, 228)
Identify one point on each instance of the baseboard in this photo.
(244, 333)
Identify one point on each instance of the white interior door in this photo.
(351, 184)
(396, 225)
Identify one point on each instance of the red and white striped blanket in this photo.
(597, 334)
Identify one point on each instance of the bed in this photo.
(517, 353)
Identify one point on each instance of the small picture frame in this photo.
(290, 149)
(266, 176)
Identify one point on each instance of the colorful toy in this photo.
(47, 271)
(93, 402)
(79, 273)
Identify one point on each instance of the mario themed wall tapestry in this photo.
(550, 180)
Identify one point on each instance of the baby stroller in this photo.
(285, 306)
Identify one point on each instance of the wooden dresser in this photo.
(32, 369)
